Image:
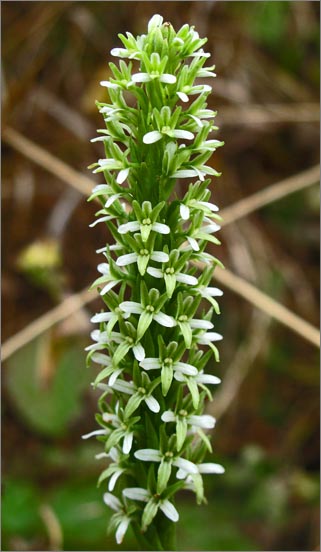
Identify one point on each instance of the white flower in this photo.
(147, 313)
(156, 135)
(208, 337)
(104, 269)
(154, 22)
(127, 434)
(142, 259)
(145, 224)
(121, 519)
(193, 382)
(208, 467)
(137, 493)
(156, 363)
(95, 433)
(148, 77)
(154, 455)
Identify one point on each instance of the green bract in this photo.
(151, 337)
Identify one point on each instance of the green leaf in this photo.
(121, 352)
(104, 374)
(170, 282)
(192, 386)
(46, 383)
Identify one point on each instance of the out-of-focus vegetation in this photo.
(54, 55)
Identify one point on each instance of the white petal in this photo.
(121, 530)
(186, 279)
(102, 219)
(109, 286)
(114, 376)
(169, 510)
(118, 52)
(132, 226)
(185, 368)
(208, 378)
(165, 320)
(185, 173)
(181, 474)
(159, 257)
(193, 243)
(185, 465)
(148, 455)
(210, 206)
(102, 359)
(167, 78)
(152, 404)
(182, 96)
(213, 291)
(160, 228)
(109, 84)
(127, 443)
(201, 324)
(184, 211)
(124, 387)
(131, 307)
(154, 22)
(197, 120)
(122, 175)
(111, 200)
(139, 352)
(210, 467)
(127, 259)
(102, 317)
(141, 77)
(205, 421)
(136, 493)
(93, 433)
(209, 336)
(103, 268)
(112, 501)
(168, 416)
(151, 137)
(113, 480)
(156, 272)
(113, 453)
(183, 134)
(150, 364)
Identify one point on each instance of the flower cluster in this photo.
(150, 341)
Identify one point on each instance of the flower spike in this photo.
(149, 340)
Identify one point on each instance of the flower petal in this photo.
(132, 226)
(182, 96)
(161, 228)
(168, 416)
(102, 317)
(113, 480)
(156, 272)
(127, 443)
(112, 501)
(159, 257)
(152, 137)
(167, 78)
(185, 368)
(121, 529)
(165, 320)
(136, 493)
(201, 324)
(183, 134)
(186, 279)
(131, 307)
(210, 467)
(150, 363)
(127, 259)
(94, 433)
(122, 175)
(184, 211)
(169, 510)
(148, 455)
(185, 465)
(139, 352)
(141, 77)
(205, 421)
(152, 404)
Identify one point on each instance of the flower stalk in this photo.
(153, 343)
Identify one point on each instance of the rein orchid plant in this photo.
(150, 340)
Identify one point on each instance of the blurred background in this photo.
(267, 433)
